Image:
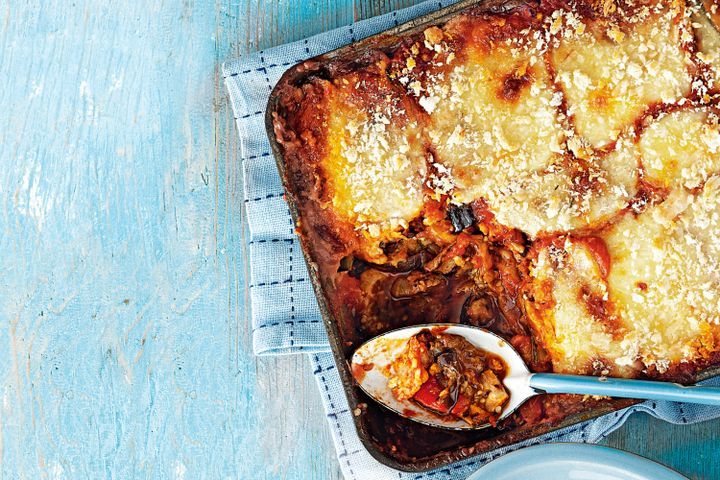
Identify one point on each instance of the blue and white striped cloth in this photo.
(285, 316)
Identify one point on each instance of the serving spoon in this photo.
(370, 366)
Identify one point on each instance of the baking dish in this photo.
(425, 448)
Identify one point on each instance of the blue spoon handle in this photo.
(624, 388)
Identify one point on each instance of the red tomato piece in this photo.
(600, 252)
(429, 395)
(461, 405)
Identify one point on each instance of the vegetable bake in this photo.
(449, 376)
(548, 170)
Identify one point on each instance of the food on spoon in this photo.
(449, 376)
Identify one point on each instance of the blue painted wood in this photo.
(124, 343)
(124, 348)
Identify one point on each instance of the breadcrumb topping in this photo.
(664, 287)
(565, 124)
(377, 166)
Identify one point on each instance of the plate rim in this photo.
(583, 451)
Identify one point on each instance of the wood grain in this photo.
(125, 348)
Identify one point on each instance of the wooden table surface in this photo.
(125, 349)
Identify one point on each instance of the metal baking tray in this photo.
(446, 452)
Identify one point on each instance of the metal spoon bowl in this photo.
(371, 362)
(371, 369)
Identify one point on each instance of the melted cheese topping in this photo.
(661, 300)
(375, 163)
(668, 320)
(498, 130)
(497, 133)
(681, 149)
(565, 195)
(611, 74)
(573, 337)
(501, 118)
(709, 43)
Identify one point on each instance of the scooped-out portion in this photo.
(449, 376)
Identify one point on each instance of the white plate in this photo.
(573, 461)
